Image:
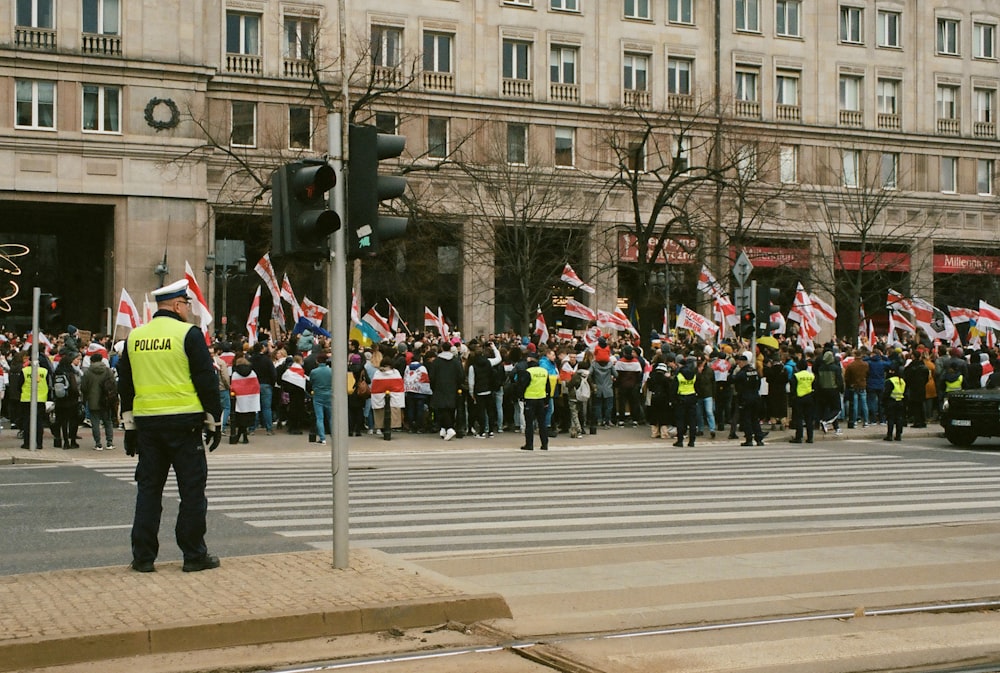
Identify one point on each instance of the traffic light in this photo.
(366, 229)
(766, 303)
(747, 323)
(49, 311)
(301, 223)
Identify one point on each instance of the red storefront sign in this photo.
(678, 250)
(769, 258)
(850, 260)
(971, 264)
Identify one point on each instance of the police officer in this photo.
(169, 395)
(804, 402)
(537, 391)
(895, 408)
(746, 383)
(686, 407)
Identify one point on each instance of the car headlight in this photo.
(944, 405)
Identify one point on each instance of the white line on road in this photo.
(82, 529)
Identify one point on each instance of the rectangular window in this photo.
(679, 76)
(36, 13)
(521, 3)
(983, 40)
(100, 17)
(386, 45)
(947, 102)
(437, 137)
(636, 156)
(35, 104)
(850, 164)
(887, 96)
(984, 177)
(300, 37)
(851, 29)
(947, 36)
(748, 16)
(562, 65)
(746, 85)
(680, 11)
(244, 132)
(515, 59)
(102, 108)
(517, 144)
(564, 146)
(984, 105)
(746, 163)
(437, 52)
(850, 92)
(787, 18)
(890, 170)
(565, 5)
(789, 164)
(637, 9)
(949, 174)
(636, 71)
(387, 122)
(242, 33)
(787, 89)
(888, 29)
(299, 128)
(682, 154)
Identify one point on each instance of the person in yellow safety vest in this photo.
(804, 402)
(686, 407)
(892, 402)
(953, 379)
(25, 398)
(169, 393)
(537, 392)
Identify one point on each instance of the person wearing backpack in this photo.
(66, 396)
(99, 391)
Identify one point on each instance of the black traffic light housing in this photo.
(49, 311)
(366, 229)
(301, 222)
(767, 304)
(747, 319)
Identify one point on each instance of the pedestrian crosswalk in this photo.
(482, 498)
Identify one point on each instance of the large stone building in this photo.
(141, 133)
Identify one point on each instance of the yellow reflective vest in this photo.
(951, 386)
(685, 386)
(43, 384)
(804, 382)
(161, 372)
(898, 388)
(537, 384)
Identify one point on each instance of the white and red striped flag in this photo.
(355, 307)
(253, 317)
(431, 319)
(871, 333)
(984, 360)
(148, 309)
(578, 310)
(570, 276)
(445, 331)
(199, 307)
(697, 323)
(960, 314)
(541, 329)
(393, 318)
(623, 322)
(822, 310)
(708, 284)
(296, 375)
(313, 311)
(666, 321)
(128, 315)
(989, 317)
(289, 295)
(265, 270)
(377, 323)
(727, 310)
(564, 334)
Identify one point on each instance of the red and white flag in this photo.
(802, 312)
(984, 360)
(578, 310)
(388, 382)
(393, 318)
(903, 313)
(623, 322)
(871, 333)
(591, 336)
(570, 276)
(43, 342)
(541, 329)
(727, 310)
(442, 325)
(296, 375)
(253, 317)
(377, 323)
(289, 295)
(148, 309)
(822, 310)
(564, 333)
(431, 319)
(128, 315)
(199, 307)
(960, 314)
(708, 284)
(697, 323)
(265, 270)
(666, 321)
(313, 311)
(989, 317)
(355, 307)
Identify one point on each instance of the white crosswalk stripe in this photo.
(502, 499)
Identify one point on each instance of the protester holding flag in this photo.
(245, 390)
(293, 385)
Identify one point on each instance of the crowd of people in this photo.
(681, 389)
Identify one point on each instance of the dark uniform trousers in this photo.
(805, 417)
(534, 412)
(165, 442)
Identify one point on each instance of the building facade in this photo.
(136, 135)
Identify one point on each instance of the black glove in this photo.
(213, 432)
(131, 442)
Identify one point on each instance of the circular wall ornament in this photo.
(156, 121)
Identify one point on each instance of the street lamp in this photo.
(229, 261)
(161, 269)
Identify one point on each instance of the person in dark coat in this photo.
(916, 375)
(67, 406)
(447, 377)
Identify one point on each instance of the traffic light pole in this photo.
(32, 429)
(339, 309)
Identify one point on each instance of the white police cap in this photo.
(173, 291)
